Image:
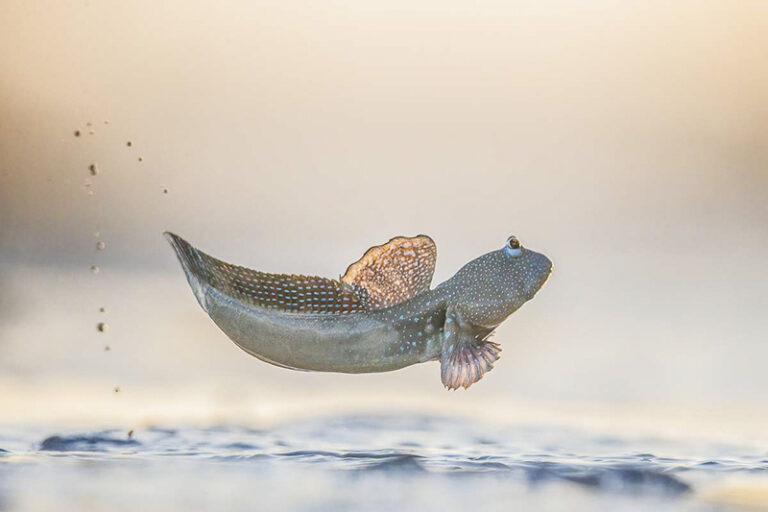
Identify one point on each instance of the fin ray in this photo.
(467, 362)
(393, 272)
(467, 355)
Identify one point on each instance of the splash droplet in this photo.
(102, 327)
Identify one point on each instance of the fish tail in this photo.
(282, 292)
(194, 264)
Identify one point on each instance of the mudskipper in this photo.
(381, 315)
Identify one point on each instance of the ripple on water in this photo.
(399, 463)
(85, 443)
(433, 448)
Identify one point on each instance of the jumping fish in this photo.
(381, 315)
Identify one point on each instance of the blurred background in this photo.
(625, 140)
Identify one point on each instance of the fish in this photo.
(380, 316)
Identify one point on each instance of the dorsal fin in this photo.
(284, 292)
(393, 272)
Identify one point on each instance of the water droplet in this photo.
(100, 245)
(102, 327)
(95, 269)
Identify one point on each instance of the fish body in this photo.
(380, 316)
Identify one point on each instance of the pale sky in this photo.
(624, 140)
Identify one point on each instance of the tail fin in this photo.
(194, 265)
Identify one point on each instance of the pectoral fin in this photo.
(466, 356)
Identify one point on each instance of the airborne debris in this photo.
(95, 269)
(94, 169)
(129, 144)
(102, 327)
(102, 310)
(100, 245)
(77, 133)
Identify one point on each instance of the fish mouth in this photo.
(546, 276)
(546, 271)
(549, 273)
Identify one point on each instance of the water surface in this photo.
(376, 462)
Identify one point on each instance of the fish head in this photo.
(493, 286)
(524, 271)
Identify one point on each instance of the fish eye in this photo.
(513, 246)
